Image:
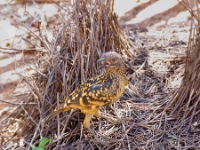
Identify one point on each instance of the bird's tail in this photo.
(59, 109)
(52, 115)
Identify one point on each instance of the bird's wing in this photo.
(97, 91)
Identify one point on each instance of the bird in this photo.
(96, 92)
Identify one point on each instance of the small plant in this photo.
(44, 141)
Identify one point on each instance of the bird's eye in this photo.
(113, 59)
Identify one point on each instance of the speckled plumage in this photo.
(99, 91)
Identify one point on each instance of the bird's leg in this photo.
(86, 124)
(87, 119)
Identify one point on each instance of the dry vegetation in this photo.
(154, 112)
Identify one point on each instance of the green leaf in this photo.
(37, 148)
(44, 141)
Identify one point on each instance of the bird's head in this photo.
(111, 61)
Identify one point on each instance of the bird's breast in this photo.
(118, 88)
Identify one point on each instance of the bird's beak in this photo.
(100, 60)
(103, 63)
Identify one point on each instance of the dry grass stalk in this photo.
(150, 119)
(185, 103)
(89, 29)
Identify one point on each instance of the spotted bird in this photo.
(97, 92)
